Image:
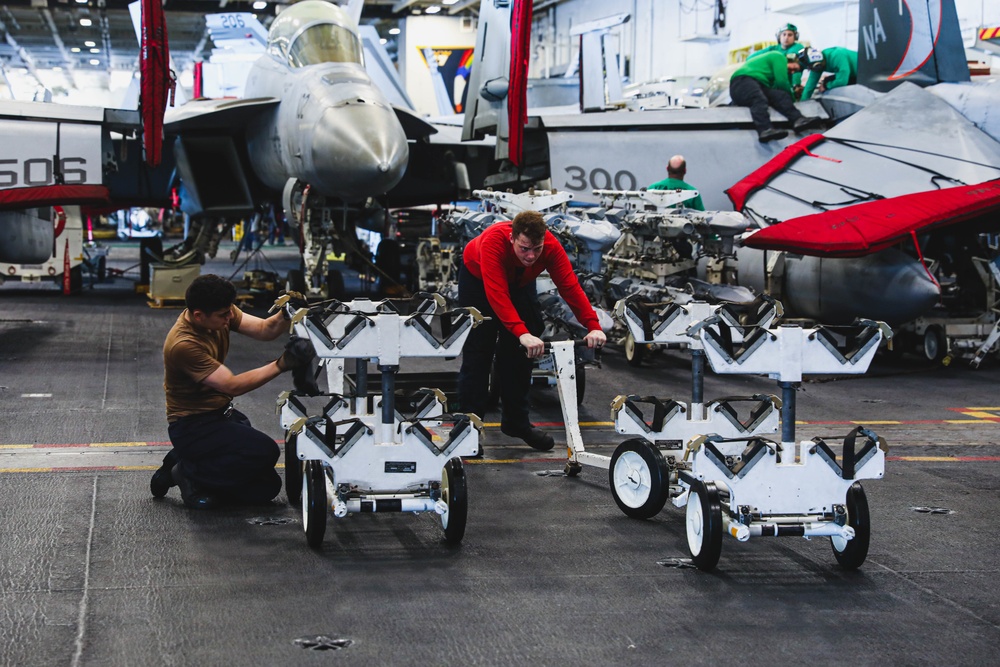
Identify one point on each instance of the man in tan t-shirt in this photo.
(217, 455)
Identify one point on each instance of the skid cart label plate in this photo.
(401, 466)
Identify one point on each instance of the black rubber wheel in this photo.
(935, 345)
(634, 352)
(639, 479)
(293, 471)
(314, 502)
(581, 383)
(572, 469)
(455, 493)
(296, 281)
(704, 525)
(852, 553)
(335, 284)
(76, 279)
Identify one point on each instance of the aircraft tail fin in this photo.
(917, 41)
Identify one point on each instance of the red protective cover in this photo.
(738, 193)
(863, 229)
(50, 195)
(156, 77)
(517, 90)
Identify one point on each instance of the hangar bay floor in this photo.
(94, 571)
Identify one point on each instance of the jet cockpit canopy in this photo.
(313, 31)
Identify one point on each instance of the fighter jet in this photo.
(597, 145)
(52, 154)
(314, 135)
(884, 215)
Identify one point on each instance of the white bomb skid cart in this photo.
(719, 466)
(639, 469)
(363, 455)
(784, 488)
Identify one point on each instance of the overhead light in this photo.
(89, 43)
(260, 4)
(86, 23)
(383, 41)
(82, 2)
(95, 61)
(433, 9)
(75, 49)
(95, 50)
(393, 31)
(448, 3)
(57, 69)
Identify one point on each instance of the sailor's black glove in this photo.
(298, 353)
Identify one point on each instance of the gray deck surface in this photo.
(94, 571)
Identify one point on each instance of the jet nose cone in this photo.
(358, 151)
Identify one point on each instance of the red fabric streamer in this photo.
(517, 90)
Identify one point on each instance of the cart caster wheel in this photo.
(852, 553)
(704, 525)
(293, 471)
(634, 352)
(314, 502)
(935, 344)
(572, 469)
(455, 493)
(639, 479)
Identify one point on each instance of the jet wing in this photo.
(414, 126)
(907, 142)
(223, 114)
(866, 228)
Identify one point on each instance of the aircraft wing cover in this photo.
(866, 228)
(50, 195)
(756, 180)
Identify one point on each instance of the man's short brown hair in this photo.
(531, 224)
(209, 294)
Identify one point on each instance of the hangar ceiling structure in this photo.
(78, 39)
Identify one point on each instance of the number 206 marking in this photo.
(599, 179)
(38, 171)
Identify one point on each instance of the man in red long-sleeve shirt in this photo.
(497, 276)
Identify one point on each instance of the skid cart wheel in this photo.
(295, 281)
(314, 502)
(572, 469)
(293, 470)
(704, 525)
(935, 345)
(639, 478)
(634, 352)
(455, 493)
(852, 553)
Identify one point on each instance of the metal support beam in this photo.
(29, 62)
(69, 63)
(403, 4)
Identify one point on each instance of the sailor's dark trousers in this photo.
(749, 92)
(223, 455)
(491, 342)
